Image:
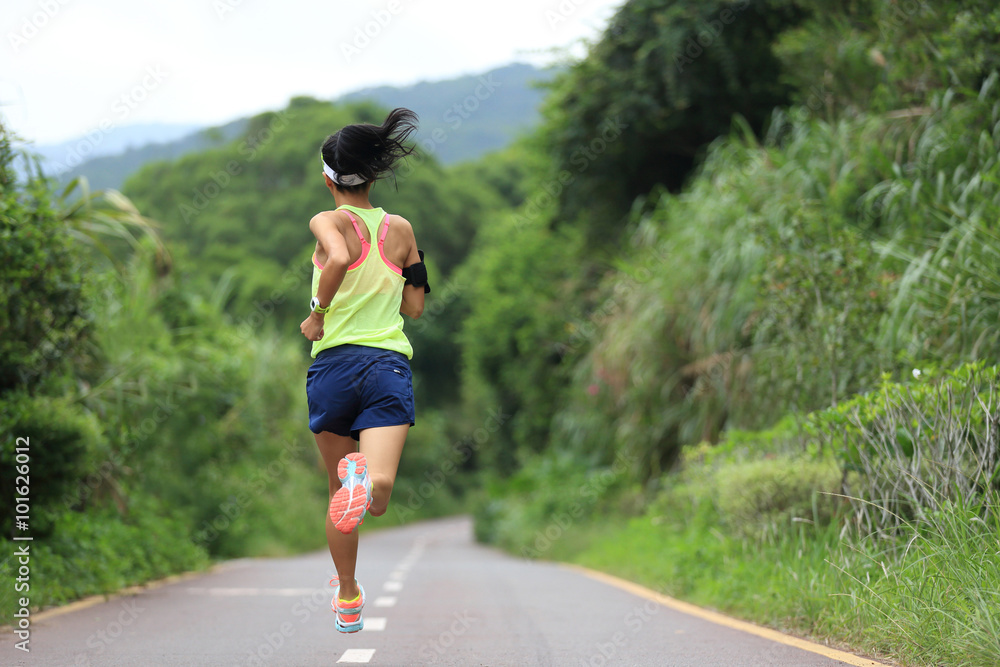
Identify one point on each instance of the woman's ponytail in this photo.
(369, 152)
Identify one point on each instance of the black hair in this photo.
(370, 151)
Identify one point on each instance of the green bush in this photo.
(918, 446)
(518, 341)
(850, 57)
(790, 275)
(102, 551)
(937, 601)
(531, 512)
(206, 417)
(64, 441)
(762, 499)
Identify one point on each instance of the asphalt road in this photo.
(434, 598)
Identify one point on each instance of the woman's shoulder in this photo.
(334, 213)
(335, 217)
(396, 219)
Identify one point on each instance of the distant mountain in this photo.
(110, 171)
(60, 157)
(460, 119)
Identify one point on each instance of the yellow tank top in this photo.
(365, 310)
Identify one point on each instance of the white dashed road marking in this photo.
(374, 624)
(357, 655)
(394, 585)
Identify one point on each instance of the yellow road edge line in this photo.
(93, 600)
(722, 619)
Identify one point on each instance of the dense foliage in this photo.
(41, 315)
(808, 255)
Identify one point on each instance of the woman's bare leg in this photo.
(383, 447)
(343, 548)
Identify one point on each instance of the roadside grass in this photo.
(929, 596)
(939, 601)
(782, 584)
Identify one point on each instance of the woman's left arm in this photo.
(413, 296)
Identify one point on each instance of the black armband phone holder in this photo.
(416, 274)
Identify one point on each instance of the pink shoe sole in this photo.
(352, 499)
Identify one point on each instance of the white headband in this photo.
(346, 181)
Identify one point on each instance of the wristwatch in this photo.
(316, 308)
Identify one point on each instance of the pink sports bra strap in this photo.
(381, 246)
(358, 229)
(385, 229)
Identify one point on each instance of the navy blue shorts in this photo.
(353, 387)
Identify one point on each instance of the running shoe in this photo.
(348, 611)
(352, 499)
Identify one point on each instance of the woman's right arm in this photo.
(338, 257)
(334, 270)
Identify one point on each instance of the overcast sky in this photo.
(68, 67)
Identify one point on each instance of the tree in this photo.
(665, 80)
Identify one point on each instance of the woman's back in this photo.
(397, 242)
(365, 309)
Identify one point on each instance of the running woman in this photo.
(367, 271)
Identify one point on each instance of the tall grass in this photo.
(945, 205)
(939, 601)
